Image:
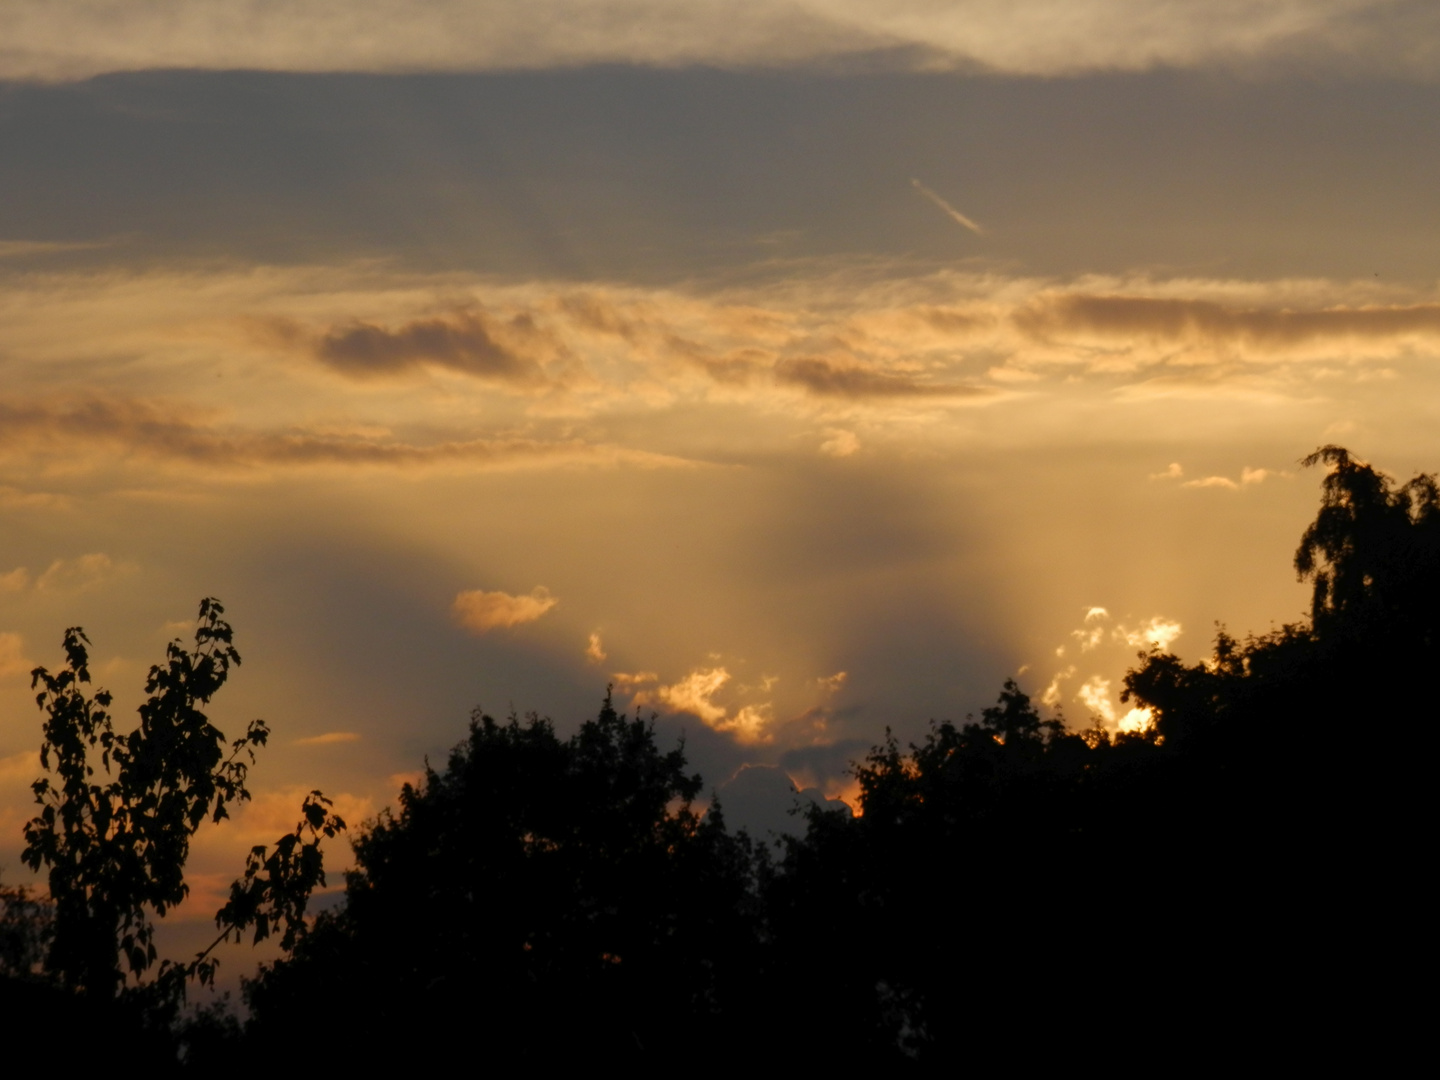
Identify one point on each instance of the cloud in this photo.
(1052, 694)
(1095, 694)
(16, 580)
(15, 498)
(20, 249)
(1136, 720)
(950, 211)
(161, 431)
(594, 650)
(1093, 632)
(81, 38)
(330, 738)
(79, 574)
(825, 379)
(13, 661)
(750, 725)
(1204, 320)
(469, 342)
(1159, 632)
(841, 443)
(1174, 472)
(480, 612)
(1212, 482)
(694, 694)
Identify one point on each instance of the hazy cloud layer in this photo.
(1177, 320)
(203, 372)
(74, 428)
(86, 37)
(833, 380)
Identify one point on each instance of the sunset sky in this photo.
(799, 368)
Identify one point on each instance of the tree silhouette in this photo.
(1010, 891)
(119, 810)
(534, 879)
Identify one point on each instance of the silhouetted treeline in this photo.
(1232, 881)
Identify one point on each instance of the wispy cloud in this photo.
(829, 379)
(13, 661)
(595, 649)
(950, 211)
(330, 738)
(80, 574)
(156, 430)
(1179, 319)
(82, 38)
(19, 249)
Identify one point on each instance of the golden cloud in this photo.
(330, 738)
(79, 574)
(694, 694)
(13, 661)
(480, 612)
(595, 649)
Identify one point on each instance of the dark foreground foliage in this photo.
(1240, 882)
(117, 812)
(1010, 890)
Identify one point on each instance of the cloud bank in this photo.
(81, 38)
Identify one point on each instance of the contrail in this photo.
(959, 218)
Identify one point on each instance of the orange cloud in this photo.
(13, 661)
(480, 612)
(329, 738)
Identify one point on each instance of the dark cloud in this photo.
(833, 380)
(1122, 316)
(631, 174)
(466, 341)
(765, 802)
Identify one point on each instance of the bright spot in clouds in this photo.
(694, 694)
(1095, 694)
(594, 650)
(479, 611)
(1136, 720)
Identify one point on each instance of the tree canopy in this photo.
(1009, 888)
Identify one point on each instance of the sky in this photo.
(797, 369)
